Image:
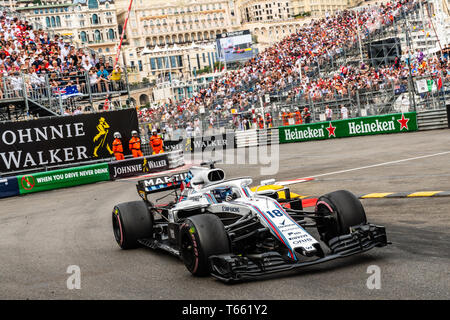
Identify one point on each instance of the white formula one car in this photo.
(221, 227)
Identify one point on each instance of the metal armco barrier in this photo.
(176, 159)
(247, 138)
(432, 119)
(268, 136)
(42, 181)
(257, 137)
(200, 144)
(448, 115)
(9, 187)
(138, 166)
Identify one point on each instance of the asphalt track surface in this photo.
(42, 234)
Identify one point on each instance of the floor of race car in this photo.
(42, 234)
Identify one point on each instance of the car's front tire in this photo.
(202, 236)
(346, 211)
(131, 221)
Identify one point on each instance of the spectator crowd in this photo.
(46, 59)
(287, 65)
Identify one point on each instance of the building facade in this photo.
(90, 23)
(54, 15)
(265, 10)
(158, 29)
(319, 8)
(173, 40)
(176, 22)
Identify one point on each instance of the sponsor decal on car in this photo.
(165, 179)
(230, 209)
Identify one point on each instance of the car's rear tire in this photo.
(346, 211)
(131, 221)
(202, 236)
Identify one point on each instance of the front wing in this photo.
(233, 268)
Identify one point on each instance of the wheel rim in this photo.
(188, 251)
(329, 228)
(116, 228)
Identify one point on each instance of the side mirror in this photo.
(267, 182)
(268, 193)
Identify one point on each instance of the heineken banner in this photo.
(389, 123)
(201, 144)
(42, 181)
(138, 166)
(61, 140)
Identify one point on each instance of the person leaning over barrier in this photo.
(117, 146)
(135, 145)
(298, 117)
(328, 113)
(344, 112)
(115, 77)
(306, 115)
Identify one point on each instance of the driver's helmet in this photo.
(222, 193)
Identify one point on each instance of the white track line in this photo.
(378, 165)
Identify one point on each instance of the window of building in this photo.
(153, 63)
(92, 4)
(97, 35)
(111, 34)
(83, 36)
(95, 19)
(166, 62)
(173, 61)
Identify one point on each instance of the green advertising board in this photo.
(389, 123)
(42, 181)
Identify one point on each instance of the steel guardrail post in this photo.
(448, 115)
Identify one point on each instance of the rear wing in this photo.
(161, 183)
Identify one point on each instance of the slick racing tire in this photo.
(346, 212)
(202, 236)
(131, 221)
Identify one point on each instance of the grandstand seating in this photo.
(41, 74)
